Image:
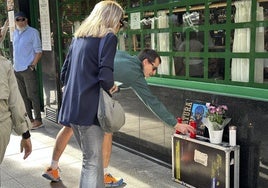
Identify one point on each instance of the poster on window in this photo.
(135, 19)
(45, 25)
(10, 5)
(11, 24)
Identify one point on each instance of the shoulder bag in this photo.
(111, 115)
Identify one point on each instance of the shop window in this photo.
(135, 44)
(179, 66)
(216, 40)
(261, 70)
(162, 19)
(177, 39)
(162, 1)
(240, 69)
(224, 38)
(265, 71)
(165, 68)
(123, 42)
(216, 68)
(148, 20)
(147, 2)
(134, 3)
(148, 40)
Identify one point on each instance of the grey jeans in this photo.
(28, 86)
(90, 140)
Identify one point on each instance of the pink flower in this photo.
(216, 113)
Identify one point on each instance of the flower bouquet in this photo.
(215, 121)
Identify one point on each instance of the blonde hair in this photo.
(103, 19)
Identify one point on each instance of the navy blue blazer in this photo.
(82, 77)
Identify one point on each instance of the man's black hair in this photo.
(149, 54)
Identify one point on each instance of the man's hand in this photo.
(26, 145)
(184, 128)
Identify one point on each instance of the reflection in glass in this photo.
(136, 42)
(148, 41)
(265, 71)
(179, 66)
(147, 2)
(177, 40)
(122, 42)
(260, 70)
(196, 67)
(194, 44)
(195, 62)
(49, 79)
(148, 20)
(240, 69)
(163, 43)
(162, 19)
(134, 3)
(218, 38)
(176, 19)
(162, 1)
(191, 20)
(259, 47)
(216, 68)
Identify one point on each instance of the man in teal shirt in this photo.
(132, 72)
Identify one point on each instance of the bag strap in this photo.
(102, 41)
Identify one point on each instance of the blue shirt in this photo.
(83, 76)
(25, 45)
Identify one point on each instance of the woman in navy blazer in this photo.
(83, 78)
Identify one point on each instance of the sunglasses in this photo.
(154, 67)
(20, 19)
(121, 22)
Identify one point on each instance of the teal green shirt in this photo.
(128, 70)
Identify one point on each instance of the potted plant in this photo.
(215, 120)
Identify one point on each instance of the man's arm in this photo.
(143, 92)
(21, 123)
(37, 57)
(20, 120)
(37, 49)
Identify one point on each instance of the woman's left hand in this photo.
(113, 89)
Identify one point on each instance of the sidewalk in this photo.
(137, 171)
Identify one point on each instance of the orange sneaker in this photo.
(110, 181)
(52, 174)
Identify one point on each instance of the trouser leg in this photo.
(23, 92)
(32, 90)
(28, 86)
(90, 139)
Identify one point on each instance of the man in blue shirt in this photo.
(27, 51)
(132, 72)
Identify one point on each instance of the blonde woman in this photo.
(82, 80)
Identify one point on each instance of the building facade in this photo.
(211, 50)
